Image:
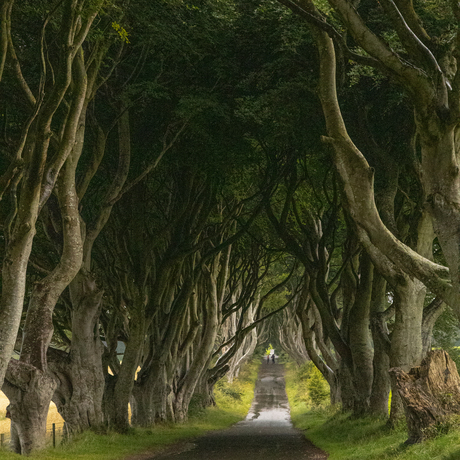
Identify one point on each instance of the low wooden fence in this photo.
(54, 435)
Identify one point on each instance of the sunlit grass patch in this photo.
(237, 397)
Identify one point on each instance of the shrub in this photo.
(318, 388)
(306, 385)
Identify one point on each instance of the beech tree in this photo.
(31, 185)
(421, 68)
(433, 93)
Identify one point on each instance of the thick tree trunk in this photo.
(203, 395)
(142, 412)
(347, 389)
(406, 338)
(360, 340)
(29, 391)
(151, 395)
(381, 381)
(79, 398)
(79, 395)
(199, 364)
(430, 394)
(441, 183)
(13, 289)
(163, 397)
(214, 287)
(154, 386)
(118, 415)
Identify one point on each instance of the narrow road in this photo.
(266, 433)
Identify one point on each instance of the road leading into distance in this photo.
(266, 433)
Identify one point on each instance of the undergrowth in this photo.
(233, 402)
(344, 438)
(306, 386)
(237, 396)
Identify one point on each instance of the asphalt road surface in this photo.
(266, 433)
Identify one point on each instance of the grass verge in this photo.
(90, 446)
(363, 439)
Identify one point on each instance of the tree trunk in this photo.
(29, 391)
(360, 340)
(79, 398)
(79, 395)
(430, 394)
(381, 383)
(203, 395)
(430, 314)
(406, 338)
(201, 358)
(118, 416)
(142, 412)
(155, 380)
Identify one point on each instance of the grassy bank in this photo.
(233, 402)
(363, 439)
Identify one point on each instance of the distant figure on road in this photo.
(268, 359)
(273, 358)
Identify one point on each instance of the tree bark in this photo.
(381, 381)
(117, 415)
(79, 395)
(430, 395)
(215, 283)
(29, 390)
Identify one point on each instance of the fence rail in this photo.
(54, 434)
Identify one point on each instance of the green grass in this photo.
(90, 446)
(236, 398)
(364, 439)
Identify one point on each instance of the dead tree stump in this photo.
(430, 394)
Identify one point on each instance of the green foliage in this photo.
(323, 6)
(357, 71)
(446, 334)
(318, 388)
(121, 32)
(305, 386)
(236, 397)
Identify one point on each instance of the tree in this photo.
(435, 107)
